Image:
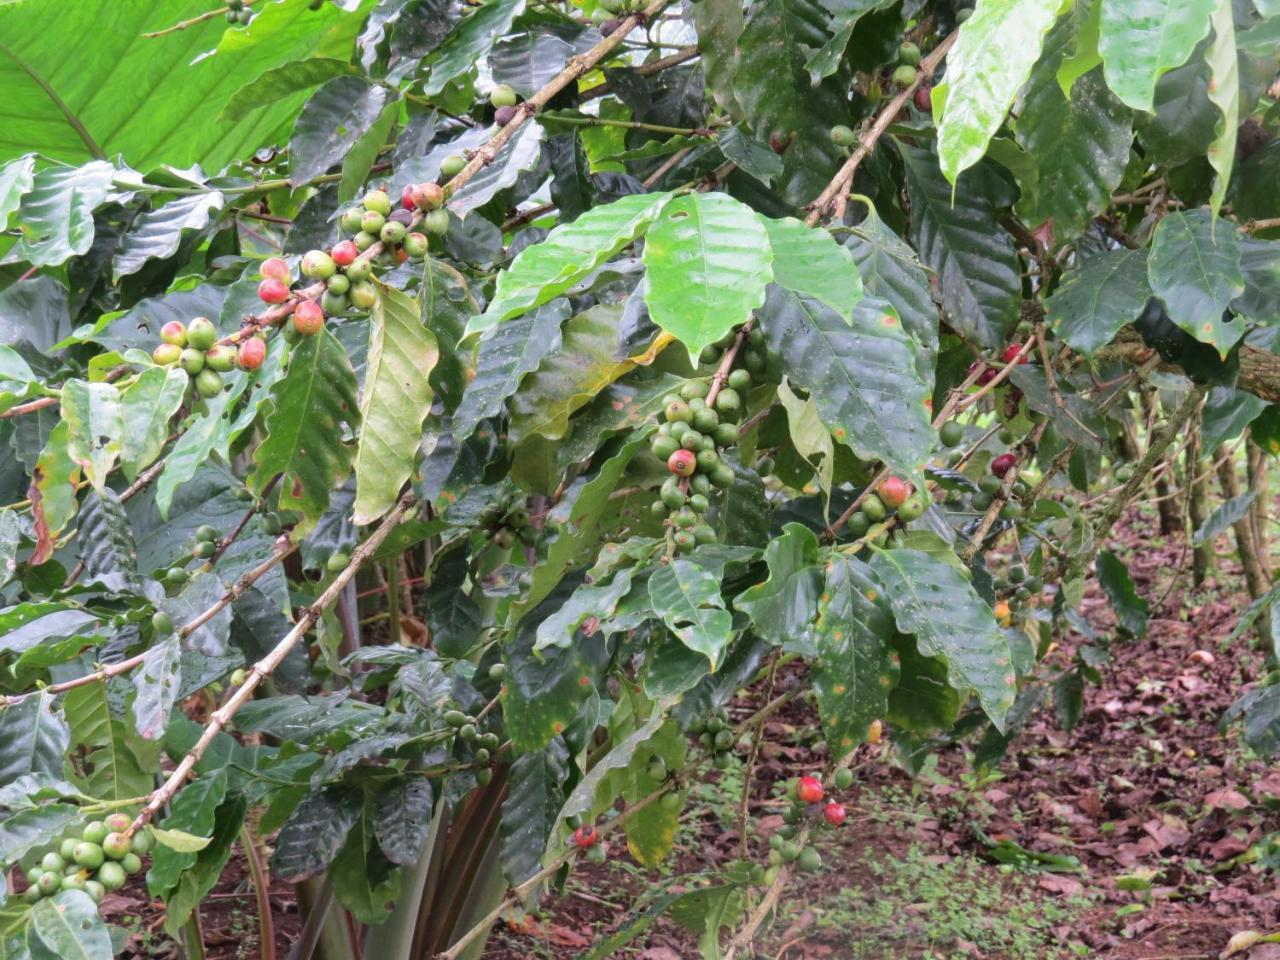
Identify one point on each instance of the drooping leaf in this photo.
(197, 880)
(402, 818)
(34, 738)
(106, 544)
(686, 595)
(470, 42)
(651, 832)
(1227, 513)
(529, 59)
(709, 261)
(863, 377)
(67, 926)
(962, 241)
(310, 408)
(782, 608)
(986, 68)
(719, 24)
(750, 155)
(314, 833)
(16, 179)
(854, 670)
(395, 400)
(157, 234)
(1140, 40)
(934, 601)
(1132, 612)
(809, 435)
(202, 591)
(192, 813)
(1224, 93)
(518, 155)
(1194, 269)
(156, 688)
(809, 262)
(32, 827)
(535, 794)
(364, 881)
(53, 492)
(447, 305)
(1260, 709)
(598, 601)
(118, 763)
(10, 532)
(1092, 303)
(545, 270)
(280, 81)
(56, 216)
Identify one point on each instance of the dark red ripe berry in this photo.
(273, 291)
(406, 198)
(682, 463)
(345, 253)
(1003, 464)
(893, 492)
(252, 352)
(504, 115)
(586, 836)
(1011, 351)
(924, 102)
(986, 376)
(809, 789)
(308, 318)
(834, 812)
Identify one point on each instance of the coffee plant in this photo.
(421, 418)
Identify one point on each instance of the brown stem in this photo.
(1247, 549)
(193, 21)
(1203, 558)
(683, 55)
(226, 542)
(1025, 449)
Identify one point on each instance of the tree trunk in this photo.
(1203, 559)
(1171, 520)
(1254, 578)
(1260, 508)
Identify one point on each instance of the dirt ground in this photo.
(1145, 781)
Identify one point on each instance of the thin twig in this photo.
(193, 21)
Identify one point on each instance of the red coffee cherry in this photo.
(809, 789)
(893, 492)
(586, 836)
(308, 318)
(1011, 351)
(682, 463)
(345, 253)
(273, 291)
(834, 813)
(1003, 464)
(275, 269)
(251, 354)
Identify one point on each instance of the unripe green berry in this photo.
(201, 333)
(503, 95)
(392, 232)
(843, 136)
(452, 165)
(437, 222)
(377, 201)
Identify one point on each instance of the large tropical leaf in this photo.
(1140, 40)
(809, 262)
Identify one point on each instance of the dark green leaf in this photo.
(687, 597)
(33, 738)
(193, 811)
(364, 881)
(314, 833)
(469, 42)
(56, 216)
(517, 156)
(750, 155)
(158, 233)
(402, 818)
(1228, 513)
(280, 81)
(332, 121)
(1194, 269)
(782, 608)
(67, 926)
(535, 794)
(1132, 612)
(1094, 302)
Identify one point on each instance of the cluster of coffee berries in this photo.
(587, 839)
(988, 371)
(195, 348)
(893, 496)
(716, 733)
(701, 421)
(1022, 589)
(506, 523)
(98, 863)
(503, 99)
(809, 803)
(204, 547)
(466, 729)
(237, 12)
(904, 74)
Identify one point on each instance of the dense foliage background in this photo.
(830, 336)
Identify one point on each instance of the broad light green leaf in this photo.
(395, 401)
(1092, 303)
(10, 532)
(809, 435)
(17, 380)
(783, 607)
(311, 408)
(191, 813)
(331, 122)
(156, 684)
(95, 420)
(1132, 612)
(545, 270)
(56, 216)
(808, 261)
(1194, 268)
(144, 97)
(16, 179)
(862, 377)
(146, 406)
(1224, 93)
(934, 601)
(709, 261)
(854, 670)
(959, 237)
(157, 234)
(280, 81)
(34, 738)
(179, 840)
(1079, 145)
(53, 491)
(986, 68)
(470, 42)
(511, 351)
(590, 600)
(67, 926)
(1140, 40)
(687, 597)
(117, 763)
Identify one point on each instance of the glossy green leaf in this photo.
(709, 261)
(535, 794)
(1140, 40)
(845, 15)
(986, 68)
(959, 237)
(314, 833)
(203, 590)
(651, 832)
(1132, 612)
(809, 435)
(33, 827)
(854, 669)
(862, 377)
(447, 305)
(117, 763)
(146, 407)
(364, 881)
(571, 251)
(56, 216)
(105, 545)
(598, 601)
(394, 402)
(528, 60)
(1224, 93)
(1093, 302)
(934, 601)
(719, 24)
(192, 813)
(1079, 144)
(309, 409)
(67, 926)
(34, 738)
(809, 262)
(279, 82)
(333, 119)
(17, 380)
(157, 234)
(358, 160)
(16, 179)
(687, 597)
(402, 818)
(750, 156)
(1226, 514)
(95, 421)
(1194, 268)
(470, 42)
(518, 156)
(783, 607)
(196, 881)
(10, 533)
(585, 796)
